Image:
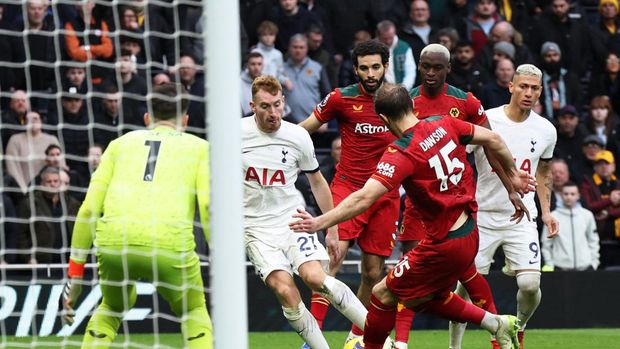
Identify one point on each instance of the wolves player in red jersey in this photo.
(364, 138)
(435, 97)
(429, 159)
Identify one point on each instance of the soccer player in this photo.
(435, 97)
(531, 138)
(429, 159)
(364, 138)
(139, 211)
(274, 152)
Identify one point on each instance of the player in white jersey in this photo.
(273, 152)
(531, 138)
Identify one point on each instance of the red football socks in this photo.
(480, 293)
(453, 308)
(379, 323)
(404, 318)
(318, 307)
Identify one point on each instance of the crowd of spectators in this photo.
(74, 76)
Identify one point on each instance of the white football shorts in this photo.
(520, 243)
(287, 253)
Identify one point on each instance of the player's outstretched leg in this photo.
(528, 297)
(455, 308)
(381, 316)
(339, 294)
(294, 310)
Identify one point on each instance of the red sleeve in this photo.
(393, 168)
(464, 130)
(328, 108)
(475, 111)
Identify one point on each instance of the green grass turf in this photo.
(535, 339)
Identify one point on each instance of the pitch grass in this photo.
(535, 339)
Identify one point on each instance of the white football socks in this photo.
(457, 329)
(306, 326)
(528, 296)
(344, 300)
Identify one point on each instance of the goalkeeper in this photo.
(139, 212)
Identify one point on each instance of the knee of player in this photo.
(372, 275)
(314, 279)
(286, 291)
(528, 282)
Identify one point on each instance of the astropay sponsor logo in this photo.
(367, 128)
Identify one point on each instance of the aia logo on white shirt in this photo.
(265, 177)
(385, 169)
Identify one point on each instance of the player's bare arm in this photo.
(494, 144)
(350, 207)
(323, 196)
(311, 124)
(543, 175)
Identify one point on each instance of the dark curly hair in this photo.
(370, 47)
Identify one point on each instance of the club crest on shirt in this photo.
(533, 145)
(284, 152)
(454, 112)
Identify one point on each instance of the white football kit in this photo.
(271, 162)
(528, 141)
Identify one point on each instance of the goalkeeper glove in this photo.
(72, 290)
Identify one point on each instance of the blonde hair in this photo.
(529, 70)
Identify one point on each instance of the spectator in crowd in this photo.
(318, 53)
(592, 145)
(53, 213)
(75, 75)
(496, 92)
(346, 75)
(25, 153)
(503, 31)
(570, 141)
(479, 24)
(601, 195)
(571, 34)
(602, 122)
(55, 157)
(502, 50)
(309, 80)
(608, 26)
(448, 37)
(273, 63)
(577, 248)
(132, 87)
(328, 167)
(253, 69)
(8, 240)
(401, 68)
(560, 86)
(14, 119)
(193, 80)
(466, 73)
(560, 176)
(160, 78)
(95, 152)
(417, 32)
(291, 19)
(607, 82)
(109, 123)
(74, 134)
(96, 46)
(41, 48)
(135, 45)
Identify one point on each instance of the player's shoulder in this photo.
(457, 93)
(542, 121)
(415, 92)
(496, 113)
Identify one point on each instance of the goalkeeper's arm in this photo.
(203, 192)
(84, 231)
